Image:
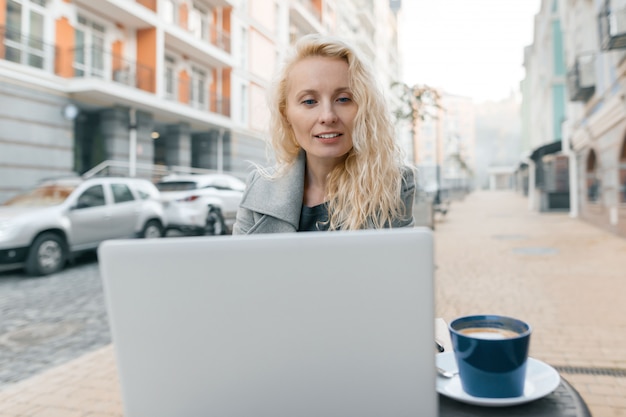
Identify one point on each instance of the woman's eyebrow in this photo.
(314, 91)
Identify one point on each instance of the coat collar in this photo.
(279, 197)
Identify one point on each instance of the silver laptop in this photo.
(337, 324)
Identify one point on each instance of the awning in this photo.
(548, 149)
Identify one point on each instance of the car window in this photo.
(177, 185)
(91, 197)
(121, 193)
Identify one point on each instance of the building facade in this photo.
(593, 130)
(546, 166)
(135, 87)
(445, 144)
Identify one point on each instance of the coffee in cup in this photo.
(491, 352)
(492, 333)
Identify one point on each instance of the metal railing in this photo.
(612, 26)
(581, 78)
(27, 50)
(154, 172)
(94, 61)
(187, 91)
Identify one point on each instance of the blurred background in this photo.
(523, 94)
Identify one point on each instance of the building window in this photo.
(244, 105)
(89, 53)
(170, 78)
(244, 49)
(23, 40)
(594, 189)
(199, 22)
(199, 90)
(170, 12)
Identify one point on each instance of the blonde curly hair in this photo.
(364, 191)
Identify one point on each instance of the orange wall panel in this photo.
(3, 13)
(65, 43)
(226, 91)
(150, 4)
(118, 55)
(213, 93)
(183, 13)
(184, 85)
(317, 4)
(226, 83)
(226, 15)
(3, 22)
(146, 59)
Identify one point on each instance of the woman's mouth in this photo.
(328, 137)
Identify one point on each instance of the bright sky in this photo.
(472, 48)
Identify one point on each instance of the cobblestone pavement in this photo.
(47, 321)
(493, 255)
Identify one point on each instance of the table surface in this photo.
(564, 401)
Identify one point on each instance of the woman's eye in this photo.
(308, 101)
(344, 99)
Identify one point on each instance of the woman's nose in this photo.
(328, 114)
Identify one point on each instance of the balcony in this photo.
(195, 94)
(306, 16)
(93, 62)
(612, 26)
(26, 50)
(581, 78)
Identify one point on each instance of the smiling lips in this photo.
(328, 137)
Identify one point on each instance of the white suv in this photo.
(201, 204)
(43, 228)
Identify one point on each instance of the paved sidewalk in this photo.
(564, 276)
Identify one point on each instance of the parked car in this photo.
(201, 204)
(58, 219)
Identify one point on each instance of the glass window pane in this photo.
(92, 197)
(35, 61)
(36, 29)
(14, 20)
(121, 193)
(97, 56)
(13, 54)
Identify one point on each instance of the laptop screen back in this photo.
(303, 324)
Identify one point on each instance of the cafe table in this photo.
(564, 401)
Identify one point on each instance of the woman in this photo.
(337, 164)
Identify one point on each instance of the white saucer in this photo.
(541, 380)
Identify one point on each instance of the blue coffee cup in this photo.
(491, 352)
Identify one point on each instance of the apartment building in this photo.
(141, 87)
(545, 170)
(593, 125)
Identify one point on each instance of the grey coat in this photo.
(274, 205)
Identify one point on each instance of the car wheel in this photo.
(47, 255)
(152, 229)
(215, 224)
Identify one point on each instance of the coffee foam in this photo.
(490, 333)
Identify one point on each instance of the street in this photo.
(47, 321)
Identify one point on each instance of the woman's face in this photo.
(320, 108)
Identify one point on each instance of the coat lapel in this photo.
(280, 197)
